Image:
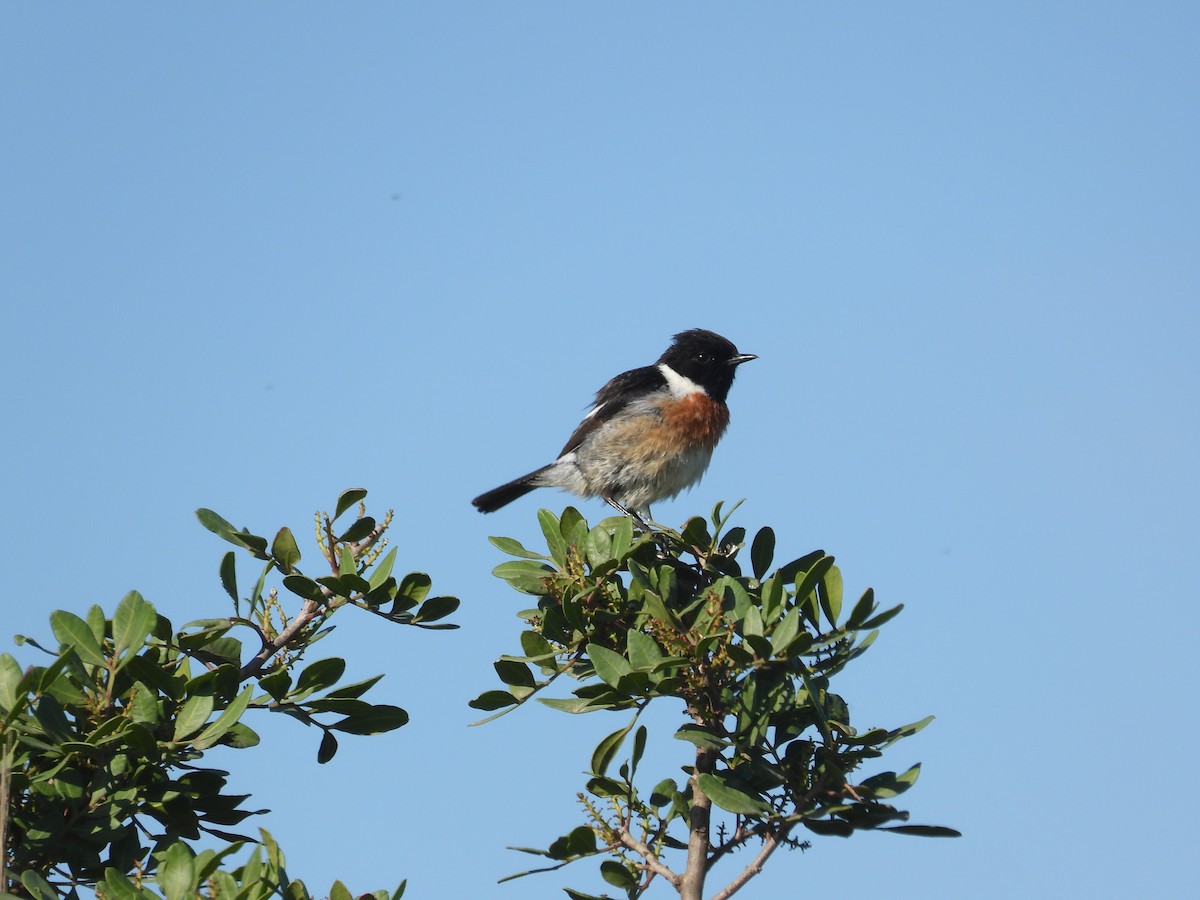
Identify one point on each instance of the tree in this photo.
(637, 618)
(102, 785)
(101, 778)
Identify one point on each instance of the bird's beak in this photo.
(741, 358)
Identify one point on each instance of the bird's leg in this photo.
(657, 532)
(625, 511)
(642, 522)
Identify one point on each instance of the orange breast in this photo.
(698, 417)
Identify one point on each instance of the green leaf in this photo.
(352, 691)
(340, 892)
(701, 737)
(923, 830)
(320, 675)
(381, 718)
(538, 649)
(617, 875)
(382, 570)
(610, 666)
(525, 575)
(228, 574)
(695, 533)
(771, 597)
(598, 546)
(907, 730)
(348, 568)
(118, 887)
(240, 736)
(132, 623)
(10, 677)
(349, 497)
(225, 721)
(226, 653)
(886, 785)
(720, 521)
(209, 861)
(862, 609)
(752, 622)
(359, 530)
(807, 583)
(829, 827)
(786, 632)
(639, 747)
(276, 683)
(305, 587)
(208, 630)
(256, 596)
(729, 798)
(570, 704)
(177, 873)
(97, 622)
(514, 548)
(607, 749)
(49, 676)
(663, 793)
(515, 674)
(574, 528)
(214, 523)
(580, 841)
(644, 652)
(284, 549)
(329, 746)
(884, 616)
(192, 716)
(621, 529)
(335, 584)
(436, 608)
(71, 631)
(829, 593)
(554, 539)
(602, 786)
(218, 526)
(762, 551)
(415, 587)
(37, 886)
(490, 700)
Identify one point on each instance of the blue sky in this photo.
(256, 254)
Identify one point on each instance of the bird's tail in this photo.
(507, 493)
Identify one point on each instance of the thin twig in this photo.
(740, 836)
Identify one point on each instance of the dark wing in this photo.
(614, 397)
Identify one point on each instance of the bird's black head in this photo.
(707, 359)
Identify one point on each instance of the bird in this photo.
(649, 435)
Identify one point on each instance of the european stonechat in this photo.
(650, 435)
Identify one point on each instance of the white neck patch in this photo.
(679, 385)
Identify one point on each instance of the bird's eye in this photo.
(704, 358)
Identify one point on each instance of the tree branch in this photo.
(7, 742)
(691, 885)
(771, 842)
(309, 611)
(653, 863)
(740, 836)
